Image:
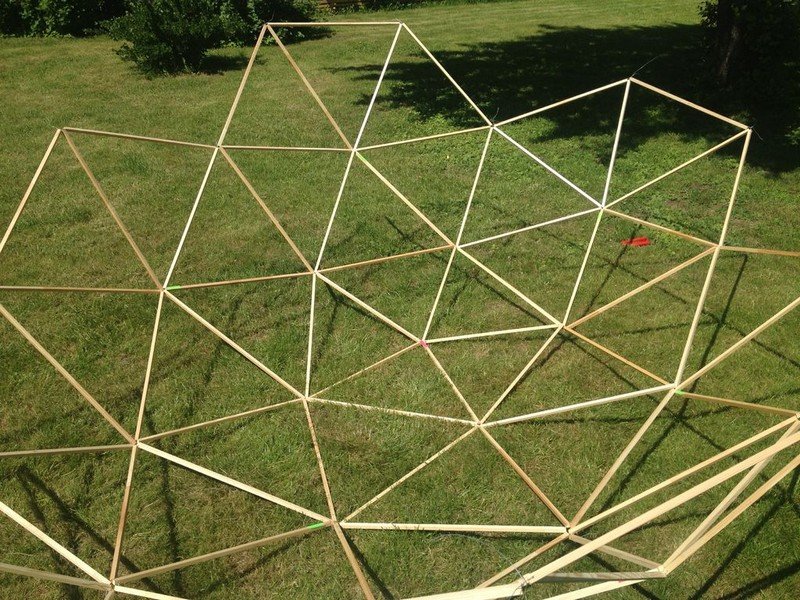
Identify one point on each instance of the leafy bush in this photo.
(170, 36)
(55, 17)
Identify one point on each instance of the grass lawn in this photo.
(510, 57)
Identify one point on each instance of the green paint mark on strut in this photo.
(680, 392)
(316, 525)
(173, 287)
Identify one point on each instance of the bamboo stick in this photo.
(772, 410)
(485, 334)
(243, 280)
(141, 138)
(371, 104)
(112, 210)
(565, 101)
(383, 259)
(320, 465)
(411, 473)
(425, 138)
(678, 168)
(258, 364)
(65, 374)
(741, 342)
(123, 515)
(617, 553)
(453, 527)
(145, 593)
(735, 190)
(351, 558)
(310, 347)
(405, 200)
(248, 413)
(452, 383)
(29, 189)
(520, 375)
(547, 167)
(446, 74)
(514, 568)
(617, 356)
(283, 148)
(735, 513)
(732, 496)
(594, 590)
(334, 210)
(187, 562)
(788, 253)
(365, 369)
(526, 478)
(378, 315)
(615, 146)
(641, 288)
(69, 450)
(391, 411)
(240, 89)
(711, 113)
(266, 209)
(582, 270)
(506, 234)
(682, 475)
(615, 576)
(509, 287)
(658, 227)
(54, 577)
(309, 87)
(51, 543)
(659, 510)
(496, 592)
(620, 459)
(331, 23)
(189, 221)
(232, 482)
(51, 288)
(463, 224)
(548, 412)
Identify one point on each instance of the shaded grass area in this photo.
(510, 57)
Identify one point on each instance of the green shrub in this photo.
(55, 17)
(170, 36)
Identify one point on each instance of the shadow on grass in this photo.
(508, 78)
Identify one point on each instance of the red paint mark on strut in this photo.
(637, 242)
(423, 343)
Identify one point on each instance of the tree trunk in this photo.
(728, 39)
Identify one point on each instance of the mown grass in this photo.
(510, 57)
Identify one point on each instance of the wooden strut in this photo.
(92, 290)
(374, 261)
(242, 415)
(771, 410)
(309, 87)
(425, 138)
(658, 227)
(536, 111)
(51, 543)
(525, 477)
(258, 279)
(506, 234)
(252, 359)
(65, 374)
(446, 274)
(678, 168)
(485, 334)
(69, 450)
(112, 210)
(547, 167)
(54, 577)
(283, 148)
(383, 409)
(29, 189)
(586, 523)
(141, 138)
(231, 482)
(187, 562)
(123, 512)
(453, 527)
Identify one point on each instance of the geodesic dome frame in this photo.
(566, 530)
